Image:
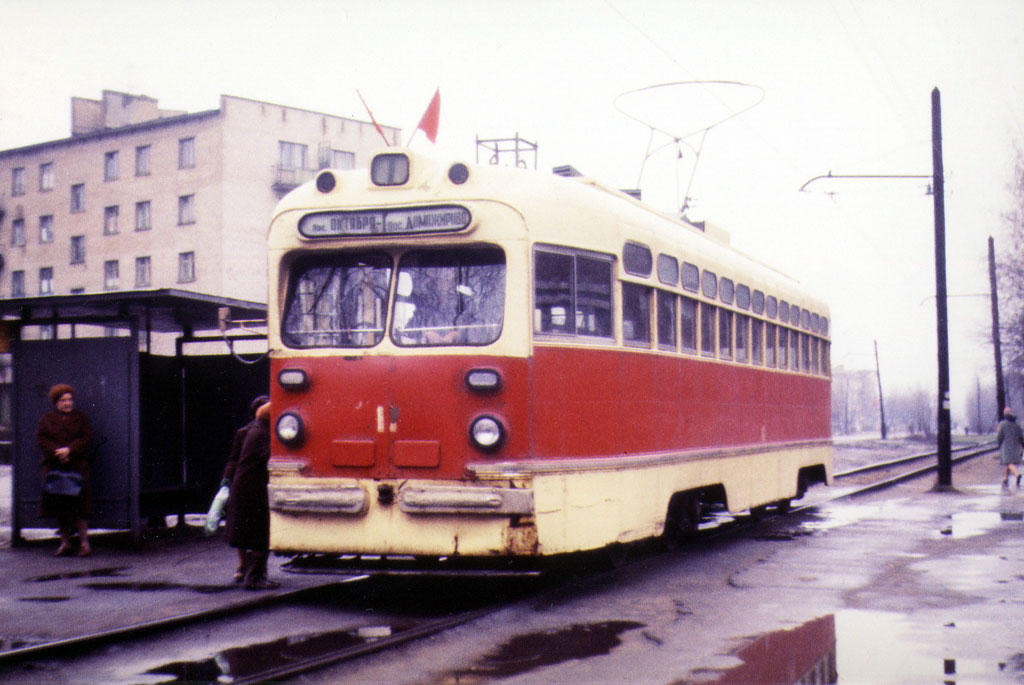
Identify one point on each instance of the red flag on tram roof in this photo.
(432, 117)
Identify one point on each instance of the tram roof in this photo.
(531, 193)
(162, 310)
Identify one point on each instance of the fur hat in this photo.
(257, 403)
(59, 390)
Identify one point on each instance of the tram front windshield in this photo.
(451, 297)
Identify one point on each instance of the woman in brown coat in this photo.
(248, 519)
(63, 436)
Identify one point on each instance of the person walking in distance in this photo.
(248, 519)
(1011, 446)
(232, 464)
(63, 436)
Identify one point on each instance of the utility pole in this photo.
(881, 402)
(1000, 388)
(943, 439)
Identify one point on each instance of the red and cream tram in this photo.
(485, 361)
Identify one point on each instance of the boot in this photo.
(256, 578)
(244, 562)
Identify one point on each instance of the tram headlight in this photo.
(290, 430)
(487, 433)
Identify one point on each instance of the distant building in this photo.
(141, 198)
(855, 406)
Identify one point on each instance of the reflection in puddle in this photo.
(968, 524)
(241, 662)
(110, 572)
(855, 646)
(159, 586)
(527, 652)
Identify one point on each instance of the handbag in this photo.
(66, 483)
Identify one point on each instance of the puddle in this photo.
(527, 652)
(854, 646)
(111, 572)
(43, 599)
(159, 587)
(972, 523)
(241, 662)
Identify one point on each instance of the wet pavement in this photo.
(901, 586)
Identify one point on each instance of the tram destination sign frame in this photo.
(385, 222)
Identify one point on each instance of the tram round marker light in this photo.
(293, 379)
(289, 429)
(483, 380)
(325, 182)
(487, 433)
(458, 173)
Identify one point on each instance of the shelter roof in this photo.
(162, 310)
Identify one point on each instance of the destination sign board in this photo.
(403, 221)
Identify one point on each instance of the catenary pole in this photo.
(881, 401)
(1000, 387)
(945, 464)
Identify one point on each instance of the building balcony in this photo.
(289, 178)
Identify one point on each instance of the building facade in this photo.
(140, 198)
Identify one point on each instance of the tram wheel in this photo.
(682, 520)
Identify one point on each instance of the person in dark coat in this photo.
(1010, 439)
(64, 436)
(248, 518)
(232, 463)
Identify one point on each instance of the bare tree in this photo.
(1011, 287)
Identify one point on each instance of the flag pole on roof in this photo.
(373, 119)
(430, 120)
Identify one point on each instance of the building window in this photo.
(186, 267)
(110, 215)
(46, 229)
(46, 177)
(142, 160)
(78, 197)
(143, 272)
(110, 166)
(17, 284)
(340, 159)
(78, 249)
(186, 209)
(18, 232)
(291, 155)
(18, 181)
(143, 216)
(111, 274)
(46, 280)
(186, 153)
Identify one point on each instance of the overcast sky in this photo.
(844, 86)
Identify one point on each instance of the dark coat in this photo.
(72, 429)
(236, 452)
(248, 517)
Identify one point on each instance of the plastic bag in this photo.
(216, 513)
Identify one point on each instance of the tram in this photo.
(482, 361)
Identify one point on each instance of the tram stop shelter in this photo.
(162, 422)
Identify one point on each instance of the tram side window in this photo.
(454, 297)
(724, 334)
(337, 301)
(794, 351)
(666, 320)
(815, 355)
(742, 326)
(688, 324)
(636, 313)
(805, 353)
(756, 326)
(769, 344)
(572, 295)
(783, 347)
(708, 328)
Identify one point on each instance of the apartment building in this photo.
(141, 198)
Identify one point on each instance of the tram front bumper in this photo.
(344, 516)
